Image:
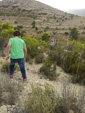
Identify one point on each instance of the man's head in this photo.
(17, 33)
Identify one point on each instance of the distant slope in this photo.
(31, 5)
(79, 12)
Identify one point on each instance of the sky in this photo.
(65, 4)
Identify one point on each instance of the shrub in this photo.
(66, 33)
(32, 46)
(58, 54)
(49, 69)
(74, 33)
(70, 62)
(9, 91)
(5, 67)
(3, 54)
(44, 101)
(47, 101)
(39, 58)
(7, 30)
(83, 53)
(73, 62)
(79, 77)
(33, 24)
(53, 56)
(45, 37)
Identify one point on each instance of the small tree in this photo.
(33, 24)
(74, 33)
(45, 37)
(7, 30)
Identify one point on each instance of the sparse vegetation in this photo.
(49, 69)
(74, 33)
(39, 58)
(47, 101)
(9, 91)
(45, 37)
(5, 67)
(60, 68)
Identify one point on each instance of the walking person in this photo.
(17, 49)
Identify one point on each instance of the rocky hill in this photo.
(21, 13)
(30, 5)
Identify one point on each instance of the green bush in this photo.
(53, 56)
(74, 33)
(83, 53)
(5, 67)
(58, 54)
(79, 77)
(73, 62)
(3, 54)
(44, 101)
(45, 37)
(39, 58)
(47, 101)
(71, 58)
(70, 61)
(49, 69)
(32, 46)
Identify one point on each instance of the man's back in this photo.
(17, 48)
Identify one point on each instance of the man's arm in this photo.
(8, 50)
(25, 52)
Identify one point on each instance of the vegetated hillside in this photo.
(79, 12)
(22, 14)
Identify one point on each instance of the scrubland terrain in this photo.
(55, 77)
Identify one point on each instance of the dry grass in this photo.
(9, 90)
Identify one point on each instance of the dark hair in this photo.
(17, 33)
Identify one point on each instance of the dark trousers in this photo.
(21, 65)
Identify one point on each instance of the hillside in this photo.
(21, 13)
(63, 87)
(79, 12)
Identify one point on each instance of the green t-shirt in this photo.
(17, 48)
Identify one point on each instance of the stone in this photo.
(71, 111)
(3, 109)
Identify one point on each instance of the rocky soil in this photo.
(63, 84)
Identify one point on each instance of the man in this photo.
(18, 51)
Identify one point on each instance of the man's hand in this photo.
(7, 57)
(25, 59)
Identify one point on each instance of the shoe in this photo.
(11, 76)
(24, 79)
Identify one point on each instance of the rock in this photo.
(5, 96)
(71, 111)
(3, 109)
(8, 112)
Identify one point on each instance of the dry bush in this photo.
(39, 58)
(5, 67)
(9, 90)
(49, 70)
(48, 101)
(73, 98)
